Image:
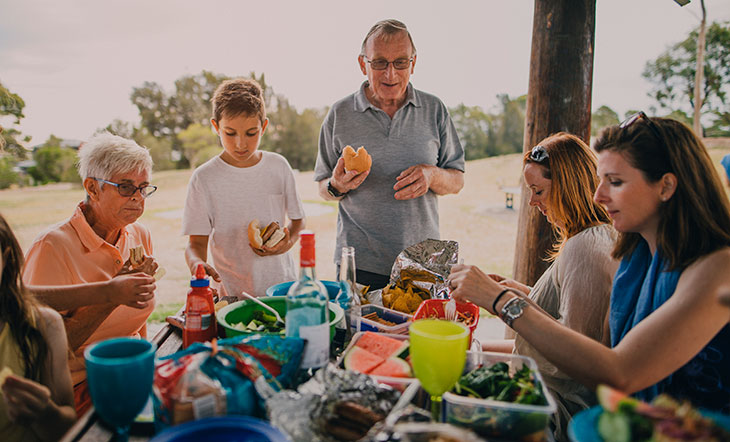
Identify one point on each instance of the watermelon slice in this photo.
(362, 361)
(381, 345)
(614, 400)
(394, 367)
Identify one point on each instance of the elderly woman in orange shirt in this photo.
(82, 268)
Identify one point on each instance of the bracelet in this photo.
(496, 300)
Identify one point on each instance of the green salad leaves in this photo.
(496, 383)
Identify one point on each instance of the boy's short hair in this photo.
(238, 96)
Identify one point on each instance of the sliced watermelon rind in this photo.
(362, 361)
(393, 367)
(380, 345)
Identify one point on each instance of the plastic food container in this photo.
(434, 308)
(400, 319)
(497, 419)
(399, 384)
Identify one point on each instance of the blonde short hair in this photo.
(105, 155)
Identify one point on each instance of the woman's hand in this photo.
(26, 401)
(135, 290)
(468, 283)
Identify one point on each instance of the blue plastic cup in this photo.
(119, 372)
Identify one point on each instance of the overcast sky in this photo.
(75, 62)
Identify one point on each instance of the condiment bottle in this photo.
(200, 324)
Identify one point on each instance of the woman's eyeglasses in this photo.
(127, 190)
(638, 116)
(381, 65)
(538, 154)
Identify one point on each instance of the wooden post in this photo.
(558, 99)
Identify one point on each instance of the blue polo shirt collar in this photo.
(362, 103)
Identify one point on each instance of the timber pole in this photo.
(558, 99)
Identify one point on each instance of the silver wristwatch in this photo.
(512, 310)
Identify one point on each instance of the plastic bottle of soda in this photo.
(200, 324)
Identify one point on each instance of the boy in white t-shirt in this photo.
(230, 190)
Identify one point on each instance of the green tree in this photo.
(604, 116)
(293, 134)
(8, 176)
(474, 128)
(11, 104)
(511, 128)
(54, 163)
(160, 149)
(199, 144)
(672, 73)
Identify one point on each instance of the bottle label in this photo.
(316, 352)
(196, 321)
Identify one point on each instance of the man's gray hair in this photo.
(387, 28)
(105, 155)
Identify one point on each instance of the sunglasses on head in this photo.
(639, 116)
(538, 154)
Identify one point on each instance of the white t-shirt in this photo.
(223, 199)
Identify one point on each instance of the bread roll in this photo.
(359, 161)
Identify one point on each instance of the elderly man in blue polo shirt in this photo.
(415, 150)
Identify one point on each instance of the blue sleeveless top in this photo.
(640, 287)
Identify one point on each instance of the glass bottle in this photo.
(348, 297)
(307, 312)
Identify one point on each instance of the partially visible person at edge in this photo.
(81, 266)
(416, 156)
(560, 173)
(669, 332)
(232, 189)
(37, 394)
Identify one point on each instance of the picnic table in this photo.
(89, 427)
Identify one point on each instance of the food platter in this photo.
(583, 426)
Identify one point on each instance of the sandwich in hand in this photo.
(268, 237)
(136, 256)
(136, 259)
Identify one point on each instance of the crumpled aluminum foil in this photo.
(302, 414)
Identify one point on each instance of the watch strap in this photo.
(513, 309)
(332, 191)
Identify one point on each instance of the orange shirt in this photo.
(72, 253)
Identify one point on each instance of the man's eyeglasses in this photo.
(638, 116)
(538, 154)
(127, 190)
(381, 65)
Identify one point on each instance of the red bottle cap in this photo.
(306, 256)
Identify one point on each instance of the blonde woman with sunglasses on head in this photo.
(669, 330)
(560, 175)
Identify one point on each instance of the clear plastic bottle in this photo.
(348, 297)
(307, 313)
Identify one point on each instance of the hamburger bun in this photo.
(270, 236)
(359, 161)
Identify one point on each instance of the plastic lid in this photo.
(201, 279)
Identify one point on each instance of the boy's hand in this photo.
(282, 246)
(209, 270)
